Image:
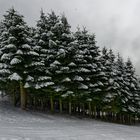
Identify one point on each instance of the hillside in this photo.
(16, 124)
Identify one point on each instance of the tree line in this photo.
(49, 67)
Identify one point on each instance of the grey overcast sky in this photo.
(116, 23)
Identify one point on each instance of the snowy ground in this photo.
(23, 125)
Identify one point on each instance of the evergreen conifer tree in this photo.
(122, 89)
(16, 52)
(133, 92)
(96, 76)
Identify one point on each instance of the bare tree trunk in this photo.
(83, 109)
(14, 99)
(60, 104)
(95, 112)
(89, 107)
(74, 108)
(52, 104)
(42, 104)
(23, 97)
(69, 105)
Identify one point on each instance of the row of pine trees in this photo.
(49, 67)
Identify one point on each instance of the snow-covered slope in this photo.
(23, 125)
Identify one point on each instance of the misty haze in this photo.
(69, 70)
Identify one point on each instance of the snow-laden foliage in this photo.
(15, 77)
(54, 63)
(15, 61)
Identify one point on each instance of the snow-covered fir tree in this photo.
(133, 89)
(61, 69)
(122, 89)
(110, 80)
(3, 85)
(96, 75)
(106, 70)
(64, 69)
(79, 65)
(59, 43)
(16, 50)
(86, 69)
(40, 71)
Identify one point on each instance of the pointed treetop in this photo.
(111, 55)
(84, 31)
(104, 50)
(65, 23)
(129, 64)
(12, 18)
(12, 12)
(42, 14)
(64, 19)
(52, 15)
(119, 57)
(129, 61)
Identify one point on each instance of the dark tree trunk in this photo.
(23, 97)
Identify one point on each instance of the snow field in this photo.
(16, 124)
